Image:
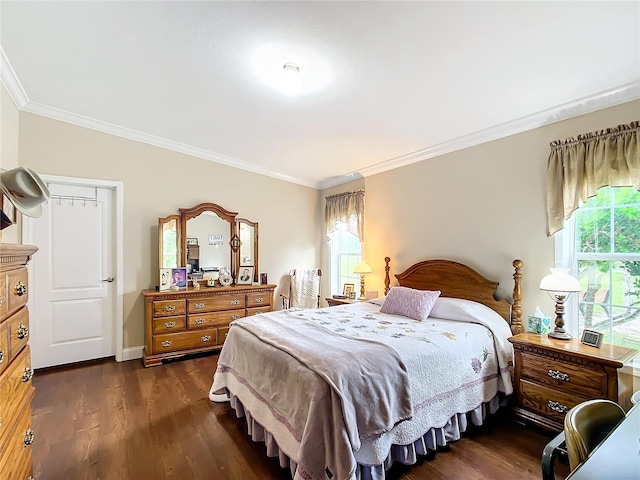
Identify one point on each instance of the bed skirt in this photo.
(405, 454)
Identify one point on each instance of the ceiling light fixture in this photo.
(290, 79)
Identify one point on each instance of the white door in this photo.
(72, 274)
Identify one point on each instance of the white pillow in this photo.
(410, 302)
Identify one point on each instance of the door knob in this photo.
(108, 279)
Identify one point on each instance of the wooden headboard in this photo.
(456, 280)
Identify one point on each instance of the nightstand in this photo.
(339, 301)
(551, 376)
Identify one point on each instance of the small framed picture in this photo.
(348, 290)
(592, 338)
(8, 208)
(192, 241)
(263, 279)
(245, 276)
(165, 279)
(178, 278)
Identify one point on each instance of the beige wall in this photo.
(156, 183)
(484, 206)
(9, 133)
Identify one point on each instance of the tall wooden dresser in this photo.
(16, 390)
(196, 320)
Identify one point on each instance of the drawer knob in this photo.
(28, 437)
(199, 305)
(169, 324)
(166, 343)
(21, 288)
(235, 302)
(23, 331)
(199, 321)
(235, 317)
(557, 406)
(259, 300)
(169, 308)
(1, 357)
(27, 374)
(206, 338)
(558, 375)
(1, 300)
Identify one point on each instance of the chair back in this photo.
(586, 425)
(304, 288)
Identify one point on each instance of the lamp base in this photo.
(560, 335)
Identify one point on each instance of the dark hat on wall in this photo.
(25, 189)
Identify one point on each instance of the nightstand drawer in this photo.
(551, 403)
(564, 376)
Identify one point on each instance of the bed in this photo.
(343, 392)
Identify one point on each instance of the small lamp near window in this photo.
(559, 284)
(362, 269)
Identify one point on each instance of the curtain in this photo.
(346, 207)
(579, 166)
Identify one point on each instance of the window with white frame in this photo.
(346, 252)
(600, 244)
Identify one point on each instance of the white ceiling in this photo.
(406, 80)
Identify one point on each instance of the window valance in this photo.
(347, 207)
(579, 166)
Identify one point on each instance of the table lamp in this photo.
(559, 284)
(362, 269)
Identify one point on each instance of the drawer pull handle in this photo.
(23, 331)
(564, 377)
(169, 308)
(199, 321)
(167, 343)
(169, 324)
(1, 300)
(199, 305)
(235, 316)
(235, 302)
(21, 289)
(1, 357)
(259, 300)
(27, 374)
(557, 406)
(206, 338)
(28, 437)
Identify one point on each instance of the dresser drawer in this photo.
(18, 331)
(4, 347)
(216, 303)
(15, 389)
(169, 324)
(256, 311)
(262, 299)
(185, 341)
(16, 453)
(205, 320)
(17, 289)
(164, 308)
(547, 401)
(564, 376)
(222, 334)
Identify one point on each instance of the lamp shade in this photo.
(559, 280)
(362, 268)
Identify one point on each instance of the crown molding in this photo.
(608, 98)
(11, 82)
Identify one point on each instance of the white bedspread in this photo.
(453, 364)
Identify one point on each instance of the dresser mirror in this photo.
(209, 241)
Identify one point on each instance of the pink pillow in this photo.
(410, 302)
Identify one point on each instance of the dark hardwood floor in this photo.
(110, 421)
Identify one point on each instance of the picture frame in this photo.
(263, 279)
(192, 241)
(178, 278)
(245, 276)
(165, 279)
(8, 209)
(348, 290)
(592, 338)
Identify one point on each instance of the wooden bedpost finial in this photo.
(516, 310)
(387, 280)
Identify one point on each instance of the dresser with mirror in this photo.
(219, 252)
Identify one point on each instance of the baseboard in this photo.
(132, 353)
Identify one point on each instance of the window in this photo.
(346, 252)
(601, 246)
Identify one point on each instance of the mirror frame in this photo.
(189, 213)
(255, 246)
(161, 222)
